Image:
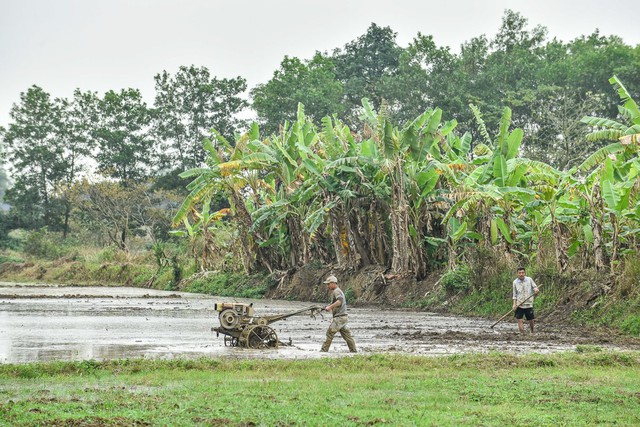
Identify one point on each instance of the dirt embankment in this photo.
(373, 285)
(370, 285)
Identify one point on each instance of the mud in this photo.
(43, 322)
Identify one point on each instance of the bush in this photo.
(226, 284)
(111, 254)
(43, 245)
(631, 325)
(350, 295)
(458, 280)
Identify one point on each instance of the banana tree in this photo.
(200, 233)
(612, 173)
(493, 192)
(227, 173)
(557, 211)
(405, 150)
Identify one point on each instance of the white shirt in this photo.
(523, 289)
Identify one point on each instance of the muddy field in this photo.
(43, 322)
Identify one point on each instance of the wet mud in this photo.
(43, 322)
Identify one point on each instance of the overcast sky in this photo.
(98, 45)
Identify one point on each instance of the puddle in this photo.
(43, 322)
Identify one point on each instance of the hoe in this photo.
(242, 328)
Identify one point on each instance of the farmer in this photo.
(338, 308)
(524, 289)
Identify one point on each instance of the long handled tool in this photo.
(513, 309)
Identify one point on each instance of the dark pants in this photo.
(525, 312)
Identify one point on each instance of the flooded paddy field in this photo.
(48, 322)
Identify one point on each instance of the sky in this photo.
(102, 45)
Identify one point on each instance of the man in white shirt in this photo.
(524, 289)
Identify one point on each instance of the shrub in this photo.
(41, 244)
(631, 325)
(111, 254)
(226, 284)
(350, 295)
(457, 280)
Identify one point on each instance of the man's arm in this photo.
(336, 303)
(535, 287)
(330, 307)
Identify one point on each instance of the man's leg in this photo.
(530, 317)
(333, 329)
(519, 314)
(346, 335)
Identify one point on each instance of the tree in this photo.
(36, 153)
(115, 212)
(513, 34)
(121, 130)
(558, 139)
(4, 180)
(312, 83)
(427, 77)
(610, 186)
(188, 105)
(76, 137)
(362, 64)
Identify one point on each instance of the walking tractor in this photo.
(242, 328)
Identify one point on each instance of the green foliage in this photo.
(10, 258)
(631, 325)
(44, 245)
(188, 105)
(110, 254)
(312, 83)
(350, 295)
(363, 65)
(227, 284)
(458, 280)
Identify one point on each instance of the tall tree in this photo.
(188, 105)
(427, 77)
(76, 137)
(4, 181)
(122, 125)
(362, 64)
(36, 155)
(312, 83)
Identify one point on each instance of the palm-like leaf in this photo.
(598, 157)
(629, 103)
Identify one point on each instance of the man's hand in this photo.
(327, 308)
(536, 290)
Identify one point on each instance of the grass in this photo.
(228, 284)
(573, 389)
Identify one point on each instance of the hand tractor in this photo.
(242, 328)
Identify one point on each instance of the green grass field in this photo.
(584, 388)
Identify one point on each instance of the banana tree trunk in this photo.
(599, 251)
(562, 258)
(615, 239)
(379, 244)
(402, 261)
(245, 222)
(300, 243)
(356, 240)
(336, 237)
